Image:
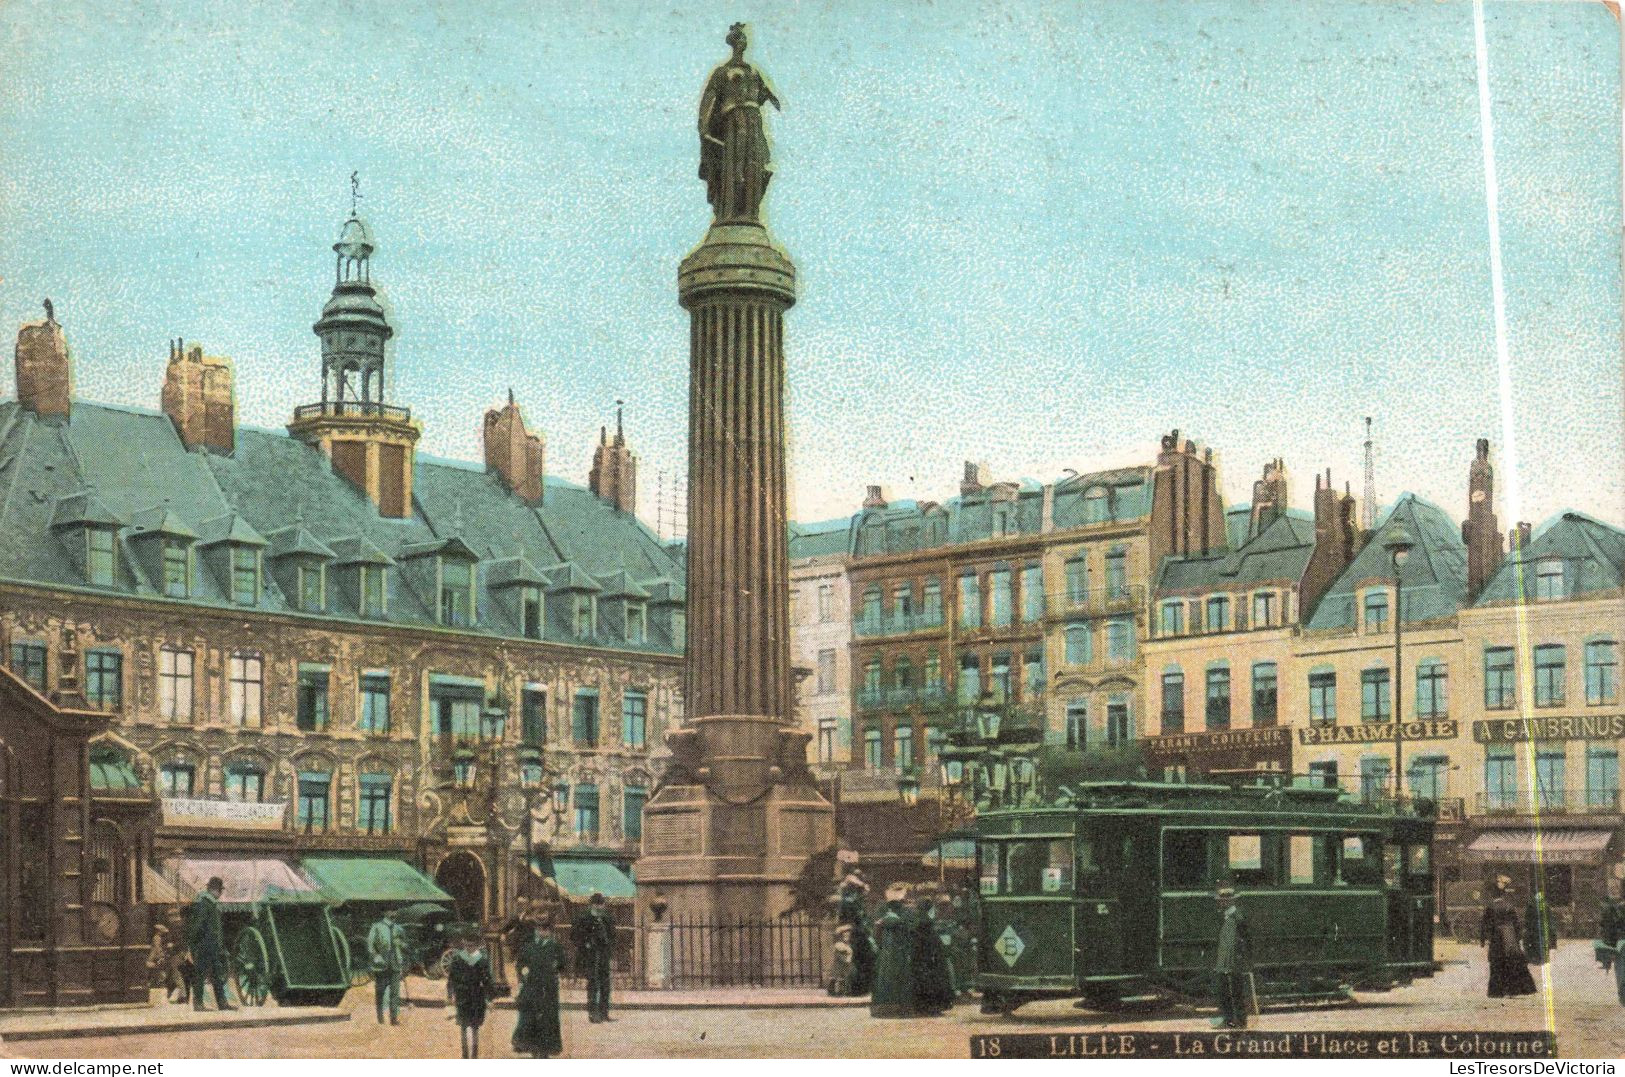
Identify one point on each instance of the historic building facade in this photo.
(325, 642)
(820, 637)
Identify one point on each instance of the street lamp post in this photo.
(1398, 546)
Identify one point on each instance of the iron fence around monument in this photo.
(790, 951)
(716, 952)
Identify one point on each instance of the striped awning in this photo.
(1526, 845)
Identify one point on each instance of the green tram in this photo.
(1108, 894)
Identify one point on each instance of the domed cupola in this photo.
(369, 440)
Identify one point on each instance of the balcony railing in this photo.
(364, 408)
(898, 624)
(879, 698)
(1551, 801)
(1097, 600)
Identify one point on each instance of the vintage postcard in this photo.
(980, 529)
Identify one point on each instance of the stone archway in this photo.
(462, 875)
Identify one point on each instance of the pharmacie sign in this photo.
(1377, 732)
(1551, 727)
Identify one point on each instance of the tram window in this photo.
(990, 868)
(1421, 861)
(1362, 860)
(1390, 865)
(1185, 860)
(1300, 860)
(1088, 866)
(1039, 867)
(1246, 860)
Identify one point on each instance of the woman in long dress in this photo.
(1500, 931)
(735, 161)
(469, 985)
(893, 994)
(538, 961)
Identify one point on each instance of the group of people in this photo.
(914, 961)
(538, 958)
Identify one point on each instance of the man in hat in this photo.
(594, 937)
(207, 942)
(386, 954)
(1232, 961)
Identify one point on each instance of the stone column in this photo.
(737, 285)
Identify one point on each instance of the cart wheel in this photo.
(439, 967)
(251, 968)
(341, 945)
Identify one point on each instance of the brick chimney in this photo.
(1187, 514)
(1481, 532)
(199, 398)
(614, 476)
(978, 477)
(1334, 548)
(44, 368)
(513, 453)
(875, 499)
(1269, 498)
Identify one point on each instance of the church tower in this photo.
(369, 441)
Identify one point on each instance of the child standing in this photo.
(469, 986)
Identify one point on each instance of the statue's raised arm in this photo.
(735, 161)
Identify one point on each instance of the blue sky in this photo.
(1033, 234)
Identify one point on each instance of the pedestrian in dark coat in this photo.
(863, 959)
(1509, 968)
(538, 962)
(893, 994)
(933, 981)
(469, 985)
(594, 936)
(206, 939)
(1539, 933)
(1232, 961)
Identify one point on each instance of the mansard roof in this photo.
(1279, 553)
(117, 464)
(1593, 554)
(1434, 575)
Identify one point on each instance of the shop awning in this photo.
(157, 889)
(247, 879)
(380, 879)
(1526, 845)
(581, 878)
(111, 772)
(955, 852)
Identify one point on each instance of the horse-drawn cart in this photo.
(288, 948)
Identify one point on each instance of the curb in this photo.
(677, 1003)
(22, 1035)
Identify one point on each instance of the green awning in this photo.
(581, 878)
(956, 853)
(111, 772)
(344, 879)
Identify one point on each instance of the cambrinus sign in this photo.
(1377, 732)
(1551, 727)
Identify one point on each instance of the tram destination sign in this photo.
(1378, 732)
(1550, 727)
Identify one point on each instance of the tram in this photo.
(1108, 893)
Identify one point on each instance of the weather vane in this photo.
(355, 192)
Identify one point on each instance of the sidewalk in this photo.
(19, 1026)
(422, 992)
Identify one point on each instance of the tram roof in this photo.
(1178, 796)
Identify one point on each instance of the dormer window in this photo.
(245, 575)
(456, 592)
(372, 579)
(637, 623)
(100, 557)
(1549, 580)
(530, 612)
(584, 616)
(311, 584)
(177, 558)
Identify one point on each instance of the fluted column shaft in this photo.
(738, 556)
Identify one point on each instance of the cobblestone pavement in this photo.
(1589, 1019)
